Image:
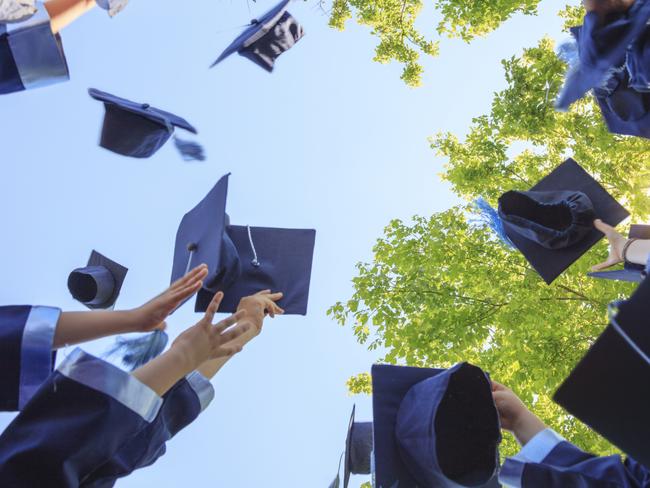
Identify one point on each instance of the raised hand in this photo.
(616, 245)
(152, 315)
(260, 304)
(514, 415)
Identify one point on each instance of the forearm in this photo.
(64, 12)
(162, 373)
(638, 251)
(527, 427)
(76, 327)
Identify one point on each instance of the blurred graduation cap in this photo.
(358, 450)
(138, 130)
(98, 284)
(609, 389)
(602, 47)
(552, 224)
(113, 7)
(266, 38)
(243, 260)
(434, 427)
(632, 272)
(16, 10)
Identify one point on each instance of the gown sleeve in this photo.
(26, 336)
(181, 406)
(76, 421)
(31, 56)
(548, 461)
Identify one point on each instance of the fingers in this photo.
(185, 292)
(606, 229)
(498, 386)
(604, 265)
(198, 273)
(227, 322)
(212, 309)
(234, 333)
(228, 351)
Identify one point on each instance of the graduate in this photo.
(31, 335)
(31, 49)
(548, 460)
(88, 410)
(622, 250)
(183, 403)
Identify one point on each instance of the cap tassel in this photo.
(490, 217)
(141, 350)
(189, 150)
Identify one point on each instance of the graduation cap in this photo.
(358, 450)
(16, 10)
(602, 46)
(113, 7)
(434, 427)
(609, 389)
(552, 224)
(266, 38)
(98, 284)
(632, 272)
(138, 130)
(243, 260)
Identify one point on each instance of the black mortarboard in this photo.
(434, 427)
(138, 130)
(632, 272)
(602, 48)
(243, 260)
(98, 284)
(552, 224)
(266, 38)
(609, 389)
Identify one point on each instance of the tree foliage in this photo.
(442, 289)
(393, 22)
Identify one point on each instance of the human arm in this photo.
(636, 252)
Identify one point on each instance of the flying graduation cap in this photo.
(113, 7)
(434, 427)
(602, 49)
(358, 450)
(243, 260)
(138, 130)
(266, 38)
(552, 224)
(98, 284)
(16, 10)
(631, 272)
(609, 389)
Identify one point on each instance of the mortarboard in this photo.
(609, 389)
(16, 10)
(632, 272)
(434, 427)
(602, 47)
(266, 38)
(243, 260)
(552, 224)
(358, 450)
(98, 284)
(113, 7)
(138, 130)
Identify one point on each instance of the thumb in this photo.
(606, 229)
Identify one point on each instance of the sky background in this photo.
(330, 140)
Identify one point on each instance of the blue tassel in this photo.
(189, 150)
(490, 217)
(141, 350)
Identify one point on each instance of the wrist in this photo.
(527, 426)
(184, 357)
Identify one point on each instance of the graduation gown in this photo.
(181, 406)
(26, 337)
(549, 461)
(31, 56)
(79, 418)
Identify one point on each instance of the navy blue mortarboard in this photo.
(552, 224)
(266, 38)
(434, 427)
(358, 450)
(98, 284)
(609, 389)
(632, 272)
(243, 260)
(602, 47)
(138, 130)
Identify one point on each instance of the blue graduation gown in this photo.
(26, 336)
(31, 56)
(79, 418)
(549, 461)
(181, 406)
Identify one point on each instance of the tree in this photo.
(393, 21)
(444, 289)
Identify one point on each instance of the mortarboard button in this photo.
(139, 130)
(266, 38)
(98, 284)
(552, 224)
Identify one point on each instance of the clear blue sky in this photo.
(331, 141)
